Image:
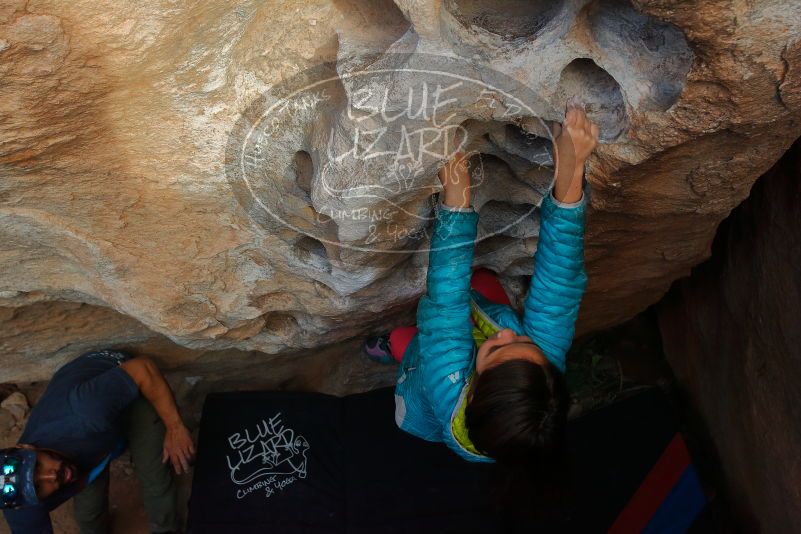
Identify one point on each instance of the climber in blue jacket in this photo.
(492, 388)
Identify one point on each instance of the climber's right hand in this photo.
(577, 137)
(573, 141)
(455, 179)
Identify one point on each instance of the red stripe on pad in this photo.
(654, 488)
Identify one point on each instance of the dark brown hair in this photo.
(517, 411)
(517, 416)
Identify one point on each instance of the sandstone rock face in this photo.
(145, 168)
(730, 332)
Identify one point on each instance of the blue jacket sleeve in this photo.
(30, 520)
(443, 315)
(559, 280)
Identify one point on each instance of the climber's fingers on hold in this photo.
(570, 117)
(556, 129)
(594, 131)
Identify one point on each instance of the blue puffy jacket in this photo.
(434, 375)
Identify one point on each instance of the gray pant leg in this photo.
(145, 434)
(90, 506)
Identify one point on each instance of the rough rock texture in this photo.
(731, 334)
(118, 136)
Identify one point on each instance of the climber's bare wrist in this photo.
(567, 187)
(455, 179)
(457, 199)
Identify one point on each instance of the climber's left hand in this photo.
(455, 178)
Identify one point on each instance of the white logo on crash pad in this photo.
(268, 456)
